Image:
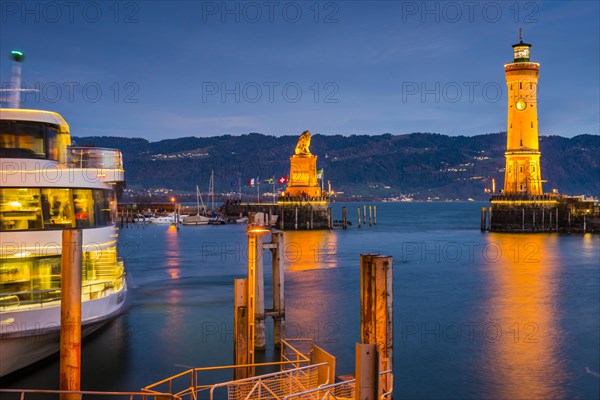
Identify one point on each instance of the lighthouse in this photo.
(523, 173)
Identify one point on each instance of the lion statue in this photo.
(303, 146)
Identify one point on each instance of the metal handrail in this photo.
(81, 393)
(260, 378)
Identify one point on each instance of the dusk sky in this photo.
(158, 69)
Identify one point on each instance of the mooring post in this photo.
(523, 219)
(70, 313)
(366, 372)
(312, 226)
(241, 353)
(358, 215)
(296, 223)
(256, 290)
(277, 258)
(376, 304)
(584, 223)
(344, 218)
(365, 214)
(483, 218)
(374, 215)
(370, 215)
(543, 218)
(533, 210)
(556, 219)
(490, 219)
(569, 221)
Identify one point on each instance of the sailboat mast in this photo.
(212, 188)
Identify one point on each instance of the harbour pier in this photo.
(304, 369)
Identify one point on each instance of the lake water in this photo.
(476, 315)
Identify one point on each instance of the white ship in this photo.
(48, 186)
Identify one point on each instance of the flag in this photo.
(320, 174)
(270, 180)
(251, 182)
(283, 180)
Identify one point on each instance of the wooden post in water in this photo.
(490, 218)
(370, 215)
(374, 215)
(296, 223)
(523, 219)
(312, 224)
(358, 216)
(256, 286)
(344, 218)
(241, 353)
(70, 313)
(366, 371)
(543, 218)
(533, 210)
(277, 257)
(376, 309)
(556, 219)
(483, 218)
(365, 214)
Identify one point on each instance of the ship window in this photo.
(20, 209)
(56, 208)
(24, 139)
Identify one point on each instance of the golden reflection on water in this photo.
(173, 253)
(313, 312)
(306, 250)
(522, 328)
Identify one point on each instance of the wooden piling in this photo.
(344, 218)
(483, 218)
(70, 313)
(256, 282)
(556, 219)
(277, 258)
(374, 215)
(376, 304)
(366, 371)
(490, 218)
(241, 354)
(358, 216)
(370, 215)
(296, 221)
(364, 214)
(523, 219)
(311, 218)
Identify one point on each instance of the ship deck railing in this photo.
(92, 290)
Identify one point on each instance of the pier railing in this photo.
(25, 394)
(296, 370)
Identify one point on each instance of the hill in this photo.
(424, 165)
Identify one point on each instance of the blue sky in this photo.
(160, 70)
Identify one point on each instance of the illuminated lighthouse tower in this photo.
(523, 172)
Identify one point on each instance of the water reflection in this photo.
(314, 306)
(173, 256)
(521, 359)
(306, 250)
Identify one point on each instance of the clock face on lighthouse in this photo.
(521, 105)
